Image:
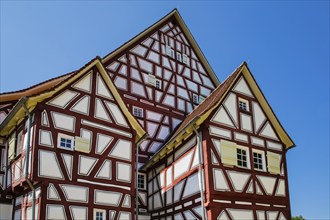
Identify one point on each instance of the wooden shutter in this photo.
(228, 153)
(11, 148)
(152, 79)
(274, 161)
(82, 145)
(185, 59)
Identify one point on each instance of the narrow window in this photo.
(179, 56)
(195, 99)
(138, 112)
(169, 51)
(241, 157)
(158, 84)
(99, 214)
(65, 142)
(257, 161)
(243, 104)
(141, 181)
(185, 59)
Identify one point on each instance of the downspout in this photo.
(27, 159)
(136, 175)
(6, 166)
(200, 170)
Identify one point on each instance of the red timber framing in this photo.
(86, 125)
(245, 168)
(157, 54)
(82, 150)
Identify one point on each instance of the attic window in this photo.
(169, 51)
(179, 56)
(243, 104)
(138, 112)
(185, 59)
(158, 84)
(195, 99)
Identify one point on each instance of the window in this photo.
(258, 161)
(65, 141)
(169, 51)
(195, 99)
(141, 181)
(241, 158)
(185, 59)
(99, 214)
(138, 112)
(243, 104)
(158, 84)
(179, 56)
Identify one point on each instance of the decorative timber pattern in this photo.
(163, 76)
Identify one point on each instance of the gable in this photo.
(240, 110)
(153, 29)
(222, 98)
(75, 92)
(164, 56)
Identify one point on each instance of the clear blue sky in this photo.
(286, 45)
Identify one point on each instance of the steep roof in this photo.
(202, 111)
(49, 89)
(150, 30)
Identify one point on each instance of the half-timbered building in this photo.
(147, 132)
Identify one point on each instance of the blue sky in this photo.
(286, 45)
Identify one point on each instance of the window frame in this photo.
(179, 57)
(144, 180)
(195, 99)
(246, 102)
(159, 83)
(139, 109)
(246, 149)
(67, 137)
(263, 160)
(95, 211)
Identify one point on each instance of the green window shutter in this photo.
(82, 144)
(11, 149)
(228, 153)
(274, 161)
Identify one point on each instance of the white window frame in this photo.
(139, 110)
(246, 149)
(263, 159)
(95, 211)
(159, 83)
(169, 51)
(195, 99)
(179, 57)
(144, 179)
(185, 59)
(246, 102)
(68, 137)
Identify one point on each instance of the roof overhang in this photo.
(195, 123)
(18, 113)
